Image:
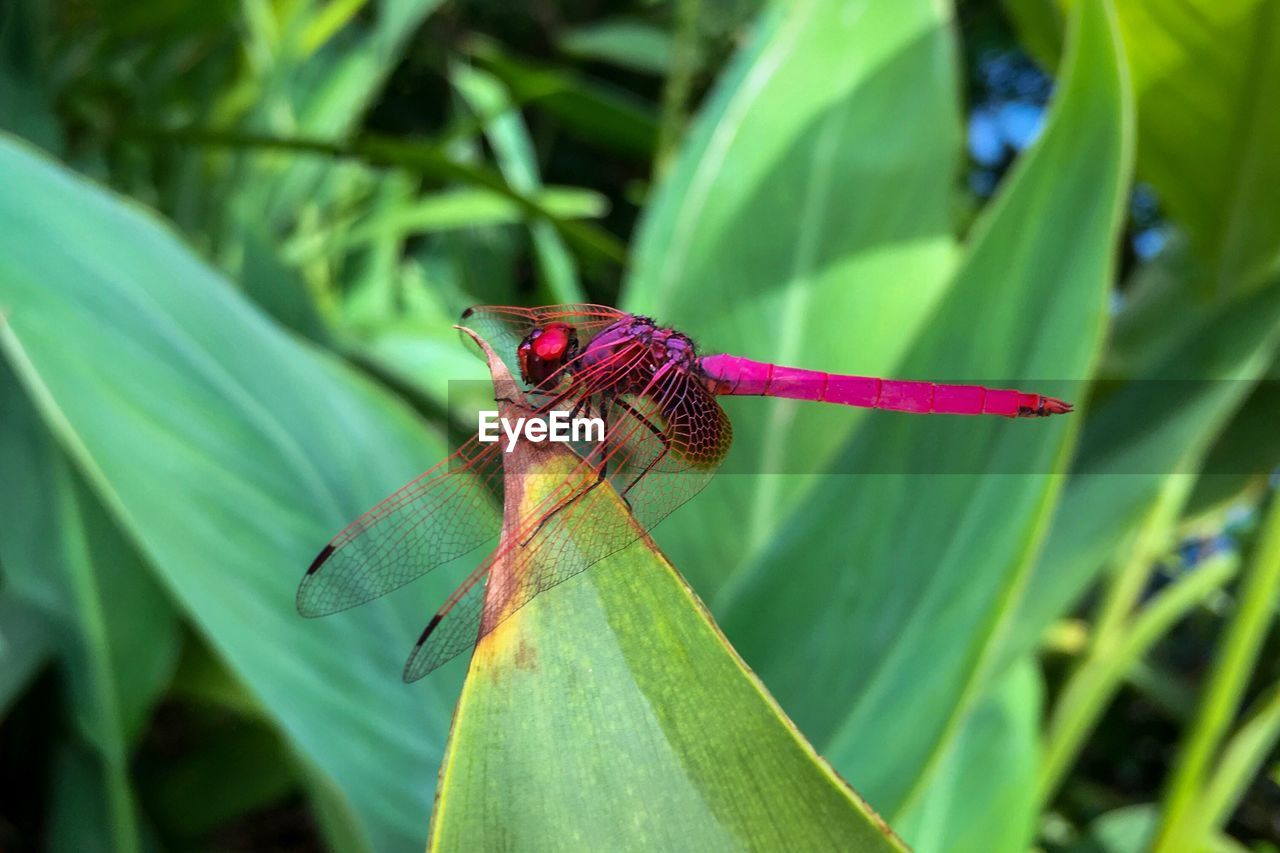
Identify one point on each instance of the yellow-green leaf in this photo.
(1204, 75)
(610, 713)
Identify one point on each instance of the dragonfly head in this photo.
(544, 351)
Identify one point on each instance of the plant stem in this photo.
(1180, 827)
(420, 157)
(1242, 758)
(1151, 540)
(1093, 685)
(675, 94)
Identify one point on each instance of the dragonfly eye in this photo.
(545, 350)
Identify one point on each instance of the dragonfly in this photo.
(665, 435)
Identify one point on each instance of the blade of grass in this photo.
(1182, 823)
(445, 211)
(1095, 682)
(420, 157)
(1242, 758)
(675, 93)
(1151, 540)
(513, 149)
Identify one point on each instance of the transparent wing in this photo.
(453, 630)
(659, 451)
(446, 512)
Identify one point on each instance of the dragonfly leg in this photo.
(604, 416)
(562, 505)
(600, 473)
(659, 434)
(584, 403)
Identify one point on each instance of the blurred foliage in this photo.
(234, 237)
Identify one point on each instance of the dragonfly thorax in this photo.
(639, 348)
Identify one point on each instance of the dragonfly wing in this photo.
(658, 453)
(684, 436)
(445, 513)
(454, 629)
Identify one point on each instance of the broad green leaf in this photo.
(1158, 425)
(1246, 451)
(116, 633)
(921, 572)
(805, 221)
(276, 286)
(1204, 74)
(229, 453)
(984, 800)
(610, 713)
(26, 643)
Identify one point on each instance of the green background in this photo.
(234, 237)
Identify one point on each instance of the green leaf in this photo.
(516, 158)
(1092, 685)
(26, 643)
(116, 633)
(1241, 760)
(984, 799)
(81, 806)
(1204, 74)
(229, 453)
(610, 713)
(634, 45)
(598, 113)
(446, 211)
(806, 221)
(921, 572)
(1187, 817)
(1246, 450)
(1138, 438)
(1123, 830)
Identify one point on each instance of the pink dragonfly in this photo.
(665, 435)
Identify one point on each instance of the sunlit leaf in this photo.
(1203, 76)
(984, 799)
(514, 151)
(920, 567)
(806, 221)
(229, 453)
(613, 701)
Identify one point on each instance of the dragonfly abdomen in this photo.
(742, 376)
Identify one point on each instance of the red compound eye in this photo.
(552, 343)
